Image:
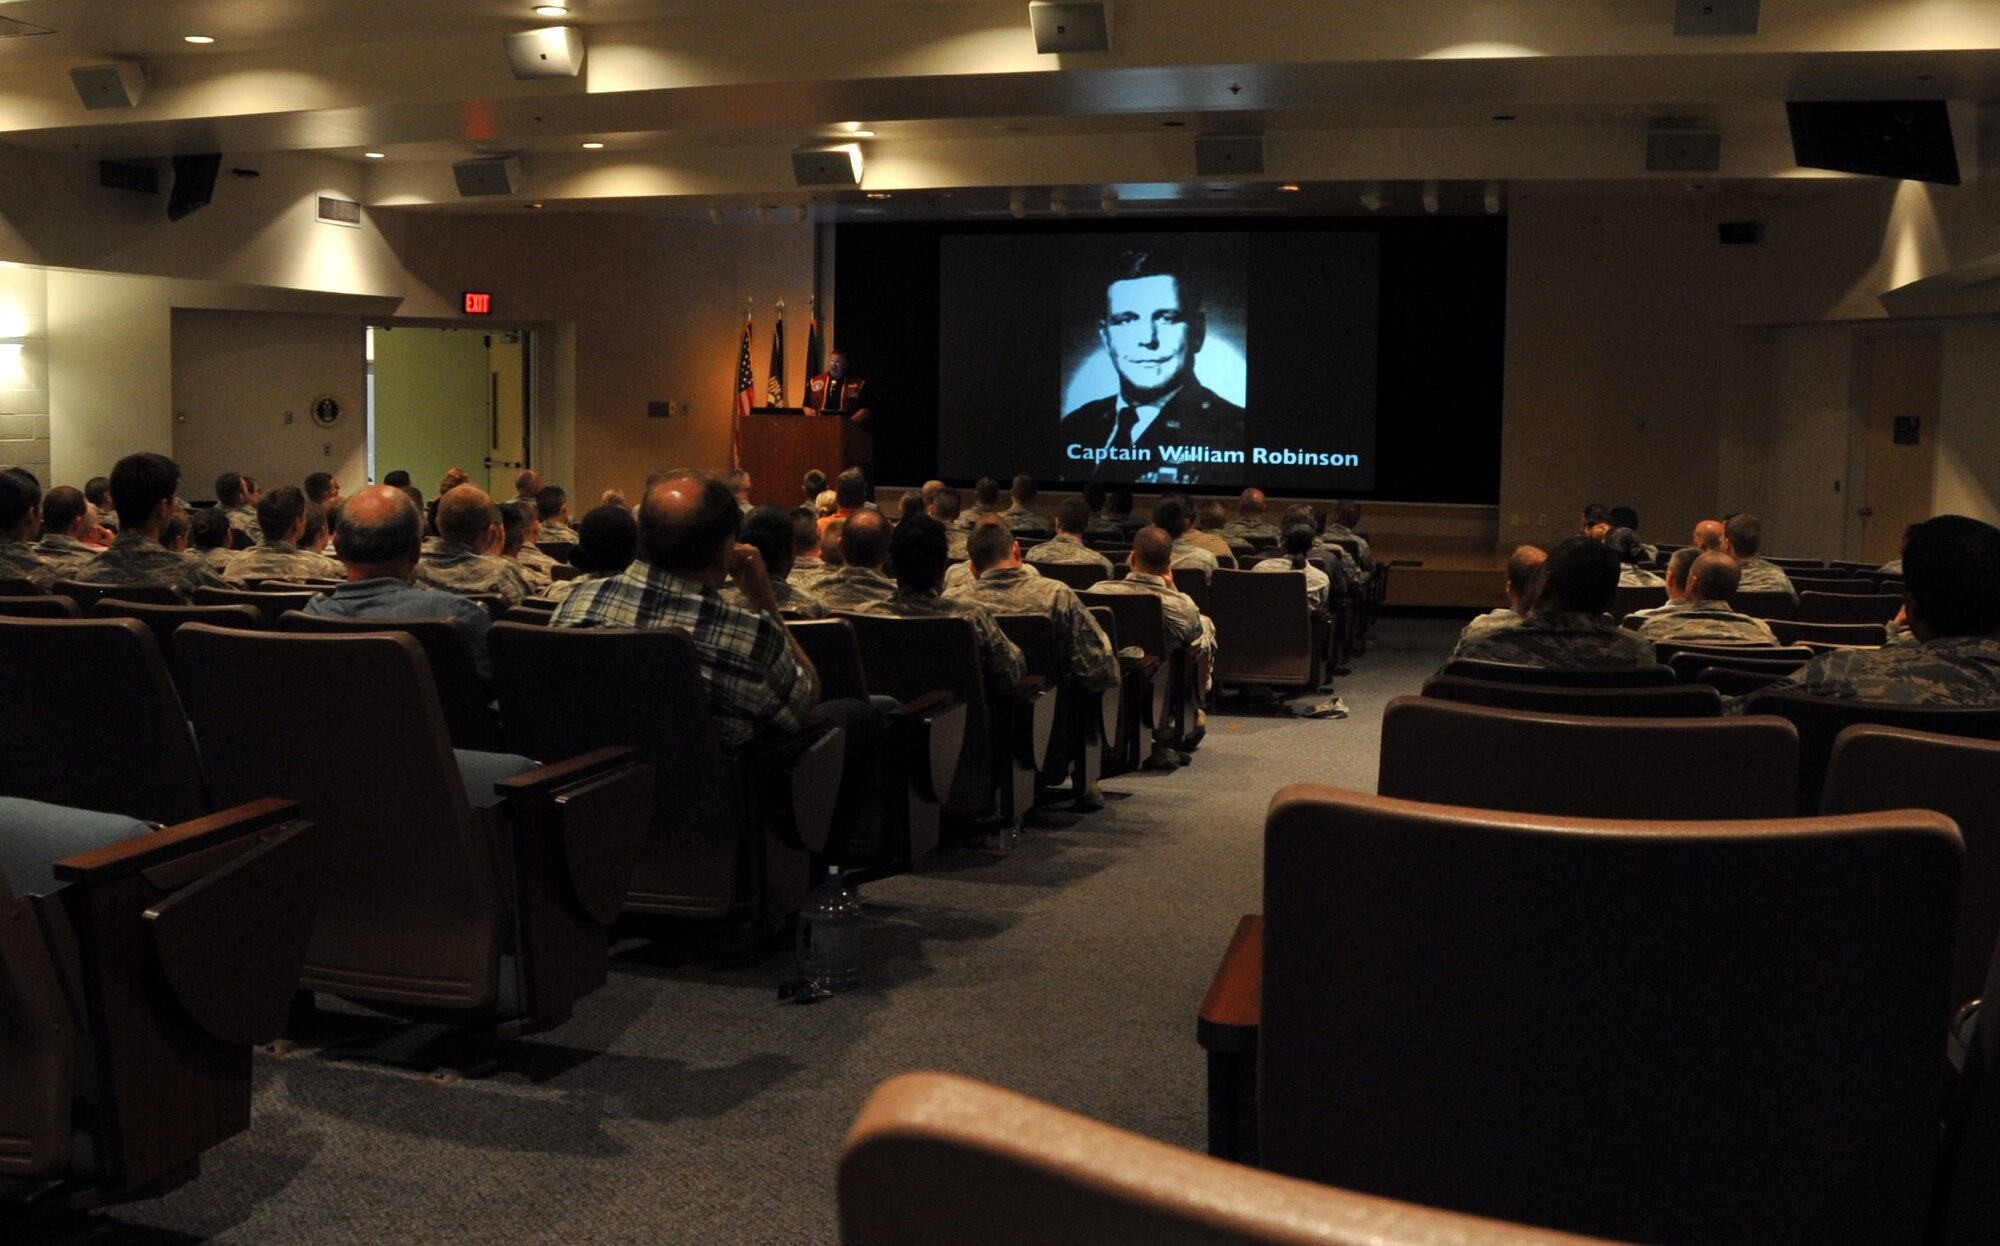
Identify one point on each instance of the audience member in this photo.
(771, 533)
(1347, 572)
(1297, 542)
(174, 533)
(20, 527)
(1003, 586)
(238, 496)
(1742, 536)
(1095, 494)
(919, 548)
(1170, 515)
(104, 527)
(1151, 573)
(850, 496)
(1072, 521)
(321, 523)
(930, 491)
(1209, 519)
(911, 503)
(814, 485)
(142, 486)
(1566, 629)
(552, 508)
(1524, 579)
(208, 538)
(380, 539)
(97, 492)
(464, 557)
(807, 565)
(1347, 513)
(1250, 526)
(1703, 615)
(1951, 572)
(65, 520)
(739, 484)
(959, 574)
(864, 550)
(281, 522)
(1708, 535)
(322, 488)
(519, 526)
(1021, 518)
(606, 542)
(1119, 507)
(1678, 566)
(985, 501)
(398, 479)
(944, 508)
(526, 485)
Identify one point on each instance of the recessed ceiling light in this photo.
(1289, 186)
(534, 207)
(593, 147)
(861, 134)
(878, 194)
(374, 155)
(551, 10)
(198, 38)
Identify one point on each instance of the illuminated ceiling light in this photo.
(861, 134)
(1492, 198)
(550, 10)
(715, 216)
(1371, 197)
(376, 155)
(593, 147)
(534, 207)
(198, 38)
(878, 194)
(1431, 196)
(1017, 203)
(1289, 186)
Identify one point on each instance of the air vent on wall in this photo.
(339, 211)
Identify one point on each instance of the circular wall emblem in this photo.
(326, 411)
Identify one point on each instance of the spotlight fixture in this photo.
(1290, 187)
(715, 216)
(1371, 196)
(1492, 198)
(593, 146)
(1431, 196)
(376, 155)
(861, 134)
(197, 39)
(1017, 203)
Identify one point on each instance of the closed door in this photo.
(506, 411)
(1900, 397)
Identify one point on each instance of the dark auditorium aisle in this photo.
(684, 1104)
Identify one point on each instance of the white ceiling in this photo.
(698, 102)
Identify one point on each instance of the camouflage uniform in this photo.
(1066, 547)
(1186, 624)
(793, 601)
(1894, 567)
(64, 556)
(1352, 569)
(1103, 529)
(1953, 671)
(1363, 556)
(281, 560)
(954, 543)
(852, 588)
(457, 568)
(1547, 638)
(553, 530)
(1765, 577)
(19, 562)
(1011, 590)
(1706, 623)
(532, 557)
(807, 571)
(1214, 542)
(135, 558)
(1631, 575)
(1240, 529)
(998, 657)
(1490, 622)
(1023, 521)
(244, 520)
(1188, 554)
(959, 574)
(1318, 583)
(219, 558)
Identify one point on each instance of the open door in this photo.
(507, 390)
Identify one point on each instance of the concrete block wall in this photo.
(24, 371)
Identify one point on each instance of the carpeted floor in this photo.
(684, 1103)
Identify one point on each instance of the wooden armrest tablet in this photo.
(559, 774)
(143, 853)
(1233, 1008)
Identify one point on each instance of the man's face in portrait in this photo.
(1152, 339)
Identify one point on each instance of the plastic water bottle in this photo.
(829, 945)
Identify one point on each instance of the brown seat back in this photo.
(411, 914)
(566, 691)
(1765, 604)
(163, 621)
(272, 605)
(1675, 702)
(447, 646)
(1820, 720)
(938, 1158)
(16, 586)
(1268, 623)
(1578, 766)
(1559, 1021)
(1668, 650)
(906, 658)
(1142, 620)
(48, 607)
(151, 772)
(1077, 575)
(1515, 673)
(1968, 1202)
(1035, 636)
(835, 655)
(1637, 597)
(87, 595)
(1847, 607)
(1793, 632)
(1829, 582)
(1877, 768)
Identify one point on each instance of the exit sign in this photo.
(478, 304)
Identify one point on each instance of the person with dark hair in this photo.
(985, 501)
(380, 538)
(1295, 544)
(552, 509)
(1703, 615)
(1151, 572)
(769, 531)
(1172, 516)
(1250, 522)
(1210, 518)
(814, 484)
(1951, 602)
(911, 503)
(142, 486)
(1163, 424)
(65, 521)
(519, 526)
(1072, 520)
(97, 492)
(1566, 629)
(1595, 516)
(208, 539)
(808, 568)
(174, 535)
(322, 488)
(1524, 578)
(527, 483)
(1021, 518)
(959, 574)
(1743, 536)
(864, 551)
(1678, 567)
(606, 542)
(739, 484)
(1119, 511)
(919, 551)
(850, 496)
(396, 480)
(1347, 513)
(237, 494)
(944, 508)
(465, 556)
(281, 521)
(20, 527)
(1095, 495)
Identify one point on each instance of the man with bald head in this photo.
(1566, 629)
(1524, 570)
(864, 550)
(1708, 535)
(464, 558)
(1151, 572)
(379, 539)
(1703, 615)
(65, 522)
(1250, 521)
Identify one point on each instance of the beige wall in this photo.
(24, 370)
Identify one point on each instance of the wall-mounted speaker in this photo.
(1715, 17)
(551, 52)
(118, 85)
(1683, 151)
(1064, 26)
(194, 183)
(489, 175)
(827, 166)
(1228, 155)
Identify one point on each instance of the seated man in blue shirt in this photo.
(379, 539)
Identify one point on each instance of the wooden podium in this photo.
(779, 445)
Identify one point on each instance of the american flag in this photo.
(746, 385)
(774, 385)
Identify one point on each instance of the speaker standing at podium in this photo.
(835, 392)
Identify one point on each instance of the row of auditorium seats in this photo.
(1815, 604)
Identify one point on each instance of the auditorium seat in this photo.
(1792, 632)
(1655, 702)
(465, 695)
(1830, 582)
(1076, 751)
(473, 888)
(1631, 598)
(1263, 626)
(1968, 1198)
(1688, 664)
(1816, 607)
(1077, 575)
(15, 586)
(938, 1158)
(1556, 1021)
(1798, 564)
(48, 606)
(561, 551)
(140, 966)
(1142, 625)
(149, 772)
(163, 621)
(727, 838)
(1766, 605)
(1142, 699)
(272, 605)
(1880, 768)
(1516, 673)
(1820, 720)
(1582, 766)
(87, 595)
(1672, 652)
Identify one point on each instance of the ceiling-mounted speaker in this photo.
(1063, 26)
(194, 183)
(118, 85)
(1715, 17)
(492, 175)
(838, 165)
(1683, 151)
(1886, 138)
(551, 52)
(1228, 155)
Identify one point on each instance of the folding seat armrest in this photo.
(1226, 1026)
(1036, 701)
(808, 785)
(592, 814)
(932, 728)
(179, 841)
